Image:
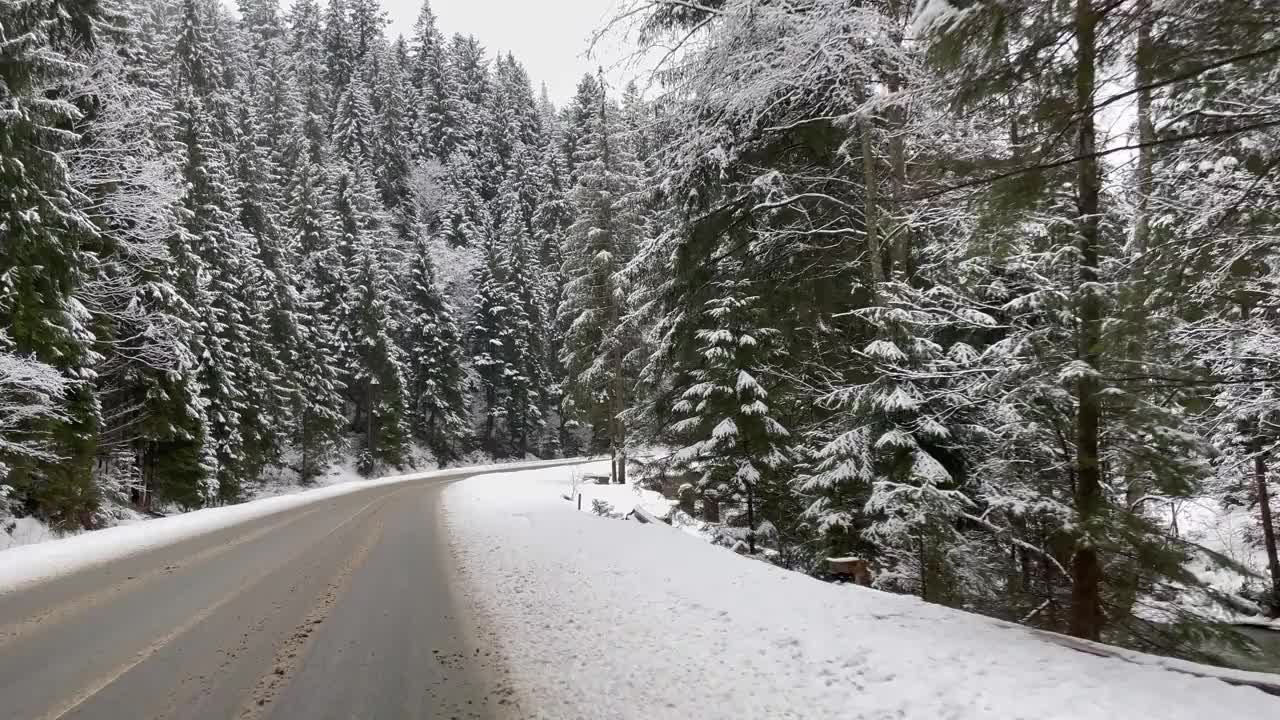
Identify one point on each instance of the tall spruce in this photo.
(434, 349)
(594, 303)
(43, 258)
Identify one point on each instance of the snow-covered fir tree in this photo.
(596, 247)
(731, 437)
(429, 80)
(44, 259)
(437, 399)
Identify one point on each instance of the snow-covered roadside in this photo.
(16, 532)
(599, 618)
(623, 500)
(614, 500)
(32, 563)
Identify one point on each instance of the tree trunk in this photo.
(563, 433)
(611, 299)
(1143, 77)
(900, 250)
(1086, 567)
(751, 521)
(924, 572)
(622, 465)
(619, 400)
(870, 218)
(145, 460)
(371, 441)
(306, 447)
(1268, 525)
(710, 508)
(1135, 348)
(490, 399)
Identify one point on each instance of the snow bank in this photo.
(28, 530)
(337, 474)
(24, 531)
(15, 532)
(29, 564)
(600, 618)
(622, 498)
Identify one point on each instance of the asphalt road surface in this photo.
(343, 608)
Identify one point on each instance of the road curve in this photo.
(342, 608)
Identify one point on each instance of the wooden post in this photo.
(371, 442)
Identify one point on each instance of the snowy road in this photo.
(341, 608)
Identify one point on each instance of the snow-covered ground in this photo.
(614, 500)
(598, 618)
(1223, 530)
(337, 474)
(39, 561)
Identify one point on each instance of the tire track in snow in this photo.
(290, 654)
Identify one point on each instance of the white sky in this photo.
(550, 37)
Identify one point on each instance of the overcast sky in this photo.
(549, 37)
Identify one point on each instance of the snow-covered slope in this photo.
(598, 618)
(1223, 530)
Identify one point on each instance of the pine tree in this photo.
(435, 364)
(322, 282)
(278, 111)
(1066, 306)
(259, 204)
(224, 293)
(306, 48)
(381, 374)
(354, 130)
(551, 217)
(463, 129)
(599, 243)
(367, 22)
(261, 21)
(732, 437)
(375, 378)
(154, 427)
(578, 116)
(527, 384)
(42, 257)
(490, 336)
(339, 48)
(430, 81)
(393, 144)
